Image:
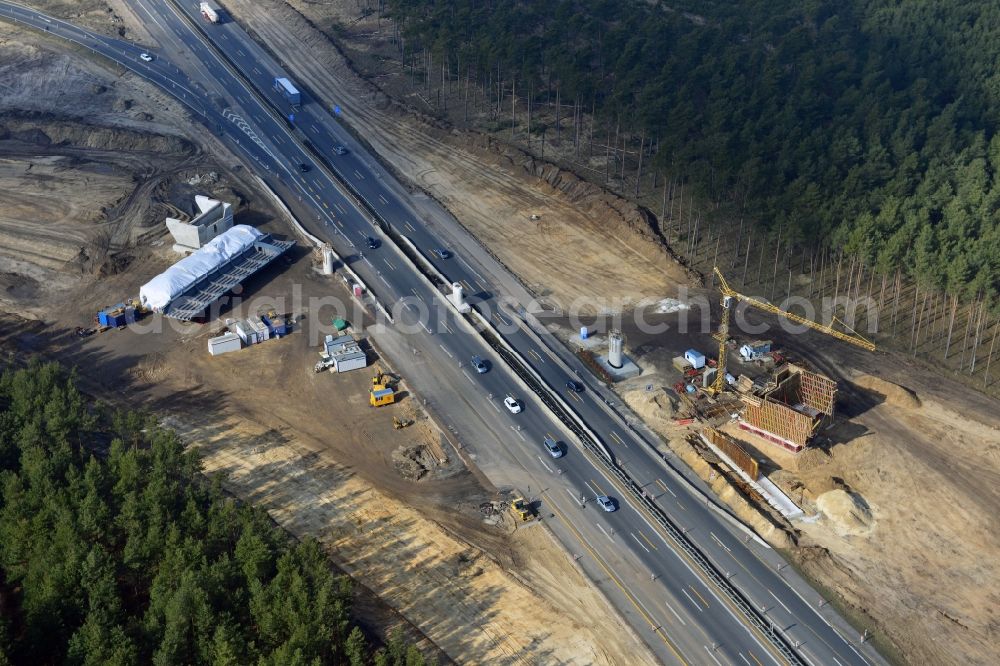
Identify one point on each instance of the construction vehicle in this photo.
(399, 424)
(210, 11)
(522, 510)
(730, 297)
(381, 378)
(324, 363)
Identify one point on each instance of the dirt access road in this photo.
(584, 246)
(135, 156)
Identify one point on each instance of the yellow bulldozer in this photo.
(522, 510)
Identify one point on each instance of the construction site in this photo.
(865, 469)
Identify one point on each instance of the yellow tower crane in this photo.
(729, 298)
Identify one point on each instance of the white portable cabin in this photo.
(225, 343)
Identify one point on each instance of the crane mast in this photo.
(730, 297)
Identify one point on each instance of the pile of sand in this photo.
(656, 407)
(894, 394)
(847, 512)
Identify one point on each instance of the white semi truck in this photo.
(210, 11)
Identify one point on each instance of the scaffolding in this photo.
(791, 408)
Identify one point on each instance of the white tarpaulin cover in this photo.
(168, 285)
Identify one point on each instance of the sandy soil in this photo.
(900, 497)
(120, 159)
(587, 245)
(83, 185)
(308, 447)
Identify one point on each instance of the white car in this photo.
(606, 503)
(145, 57)
(512, 404)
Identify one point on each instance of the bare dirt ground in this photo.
(586, 243)
(900, 496)
(305, 445)
(903, 495)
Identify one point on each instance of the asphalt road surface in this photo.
(681, 615)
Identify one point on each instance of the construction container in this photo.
(245, 332)
(227, 342)
(708, 378)
(681, 364)
(349, 357)
(382, 396)
(339, 324)
(695, 358)
(260, 328)
(275, 324)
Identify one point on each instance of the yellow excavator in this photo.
(730, 297)
(522, 510)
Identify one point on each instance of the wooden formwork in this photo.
(734, 450)
(817, 391)
(780, 420)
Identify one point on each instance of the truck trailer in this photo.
(211, 12)
(290, 92)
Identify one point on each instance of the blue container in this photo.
(690, 388)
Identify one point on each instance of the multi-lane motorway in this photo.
(225, 78)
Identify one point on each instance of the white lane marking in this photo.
(382, 277)
(691, 599)
(340, 208)
(427, 330)
(745, 659)
(857, 653)
(339, 223)
(358, 175)
(520, 435)
(240, 51)
(617, 438)
(499, 318)
(447, 327)
(591, 488)
(779, 601)
(468, 377)
(446, 351)
(495, 406)
(712, 655)
(837, 660)
(575, 498)
(314, 129)
(671, 609)
(639, 542)
(605, 533)
(718, 541)
(544, 464)
(277, 139)
(407, 225)
(411, 305)
(471, 269)
(382, 199)
(391, 267)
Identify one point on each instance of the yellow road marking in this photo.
(661, 484)
(628, 595)
(599, 491)
(754, 658)
(651, 544)
(699, 596)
